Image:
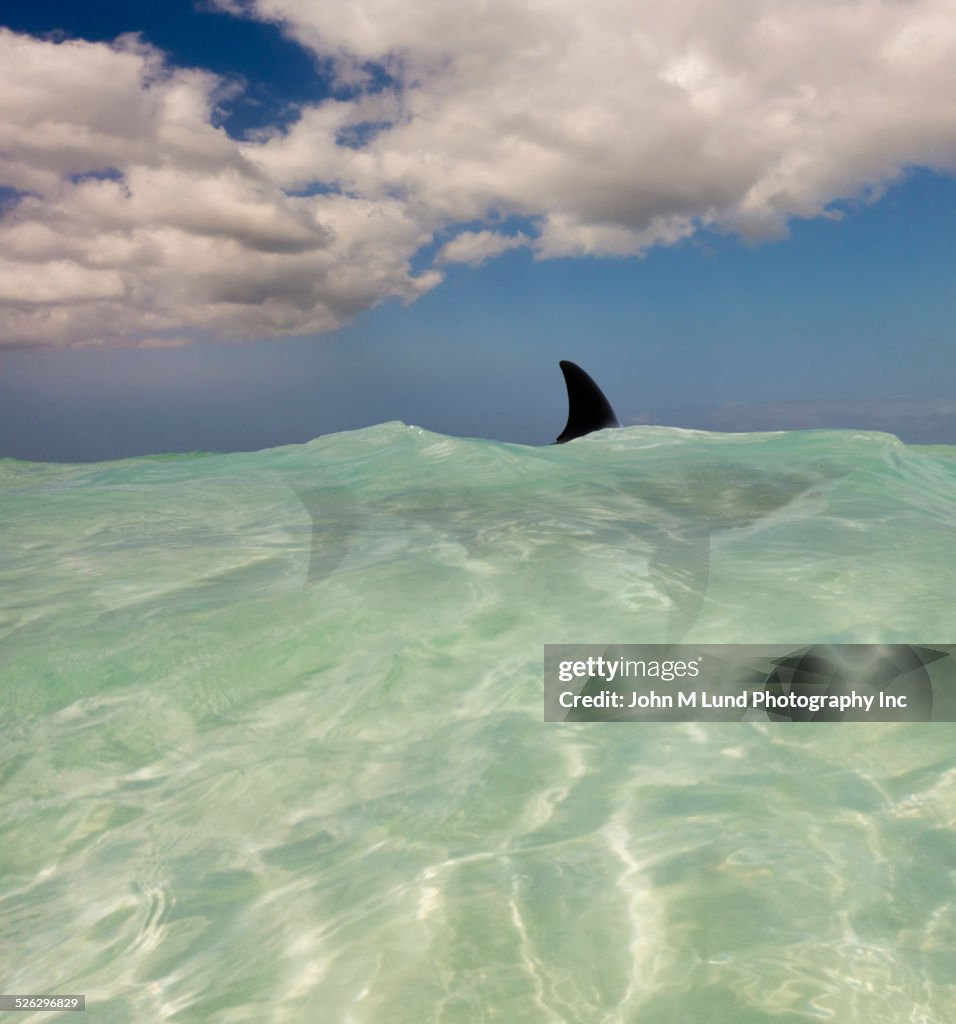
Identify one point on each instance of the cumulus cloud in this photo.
(474, 247)
(138, 218)
(608, 128)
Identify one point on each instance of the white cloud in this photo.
(142, 219)
(610, 127)
(474, 247)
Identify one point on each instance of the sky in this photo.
(233, 224)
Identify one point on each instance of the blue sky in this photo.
(253, 224)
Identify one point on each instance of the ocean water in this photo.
(272, 748)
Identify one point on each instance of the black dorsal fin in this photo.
(588, 409)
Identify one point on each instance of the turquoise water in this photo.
(273, 750)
